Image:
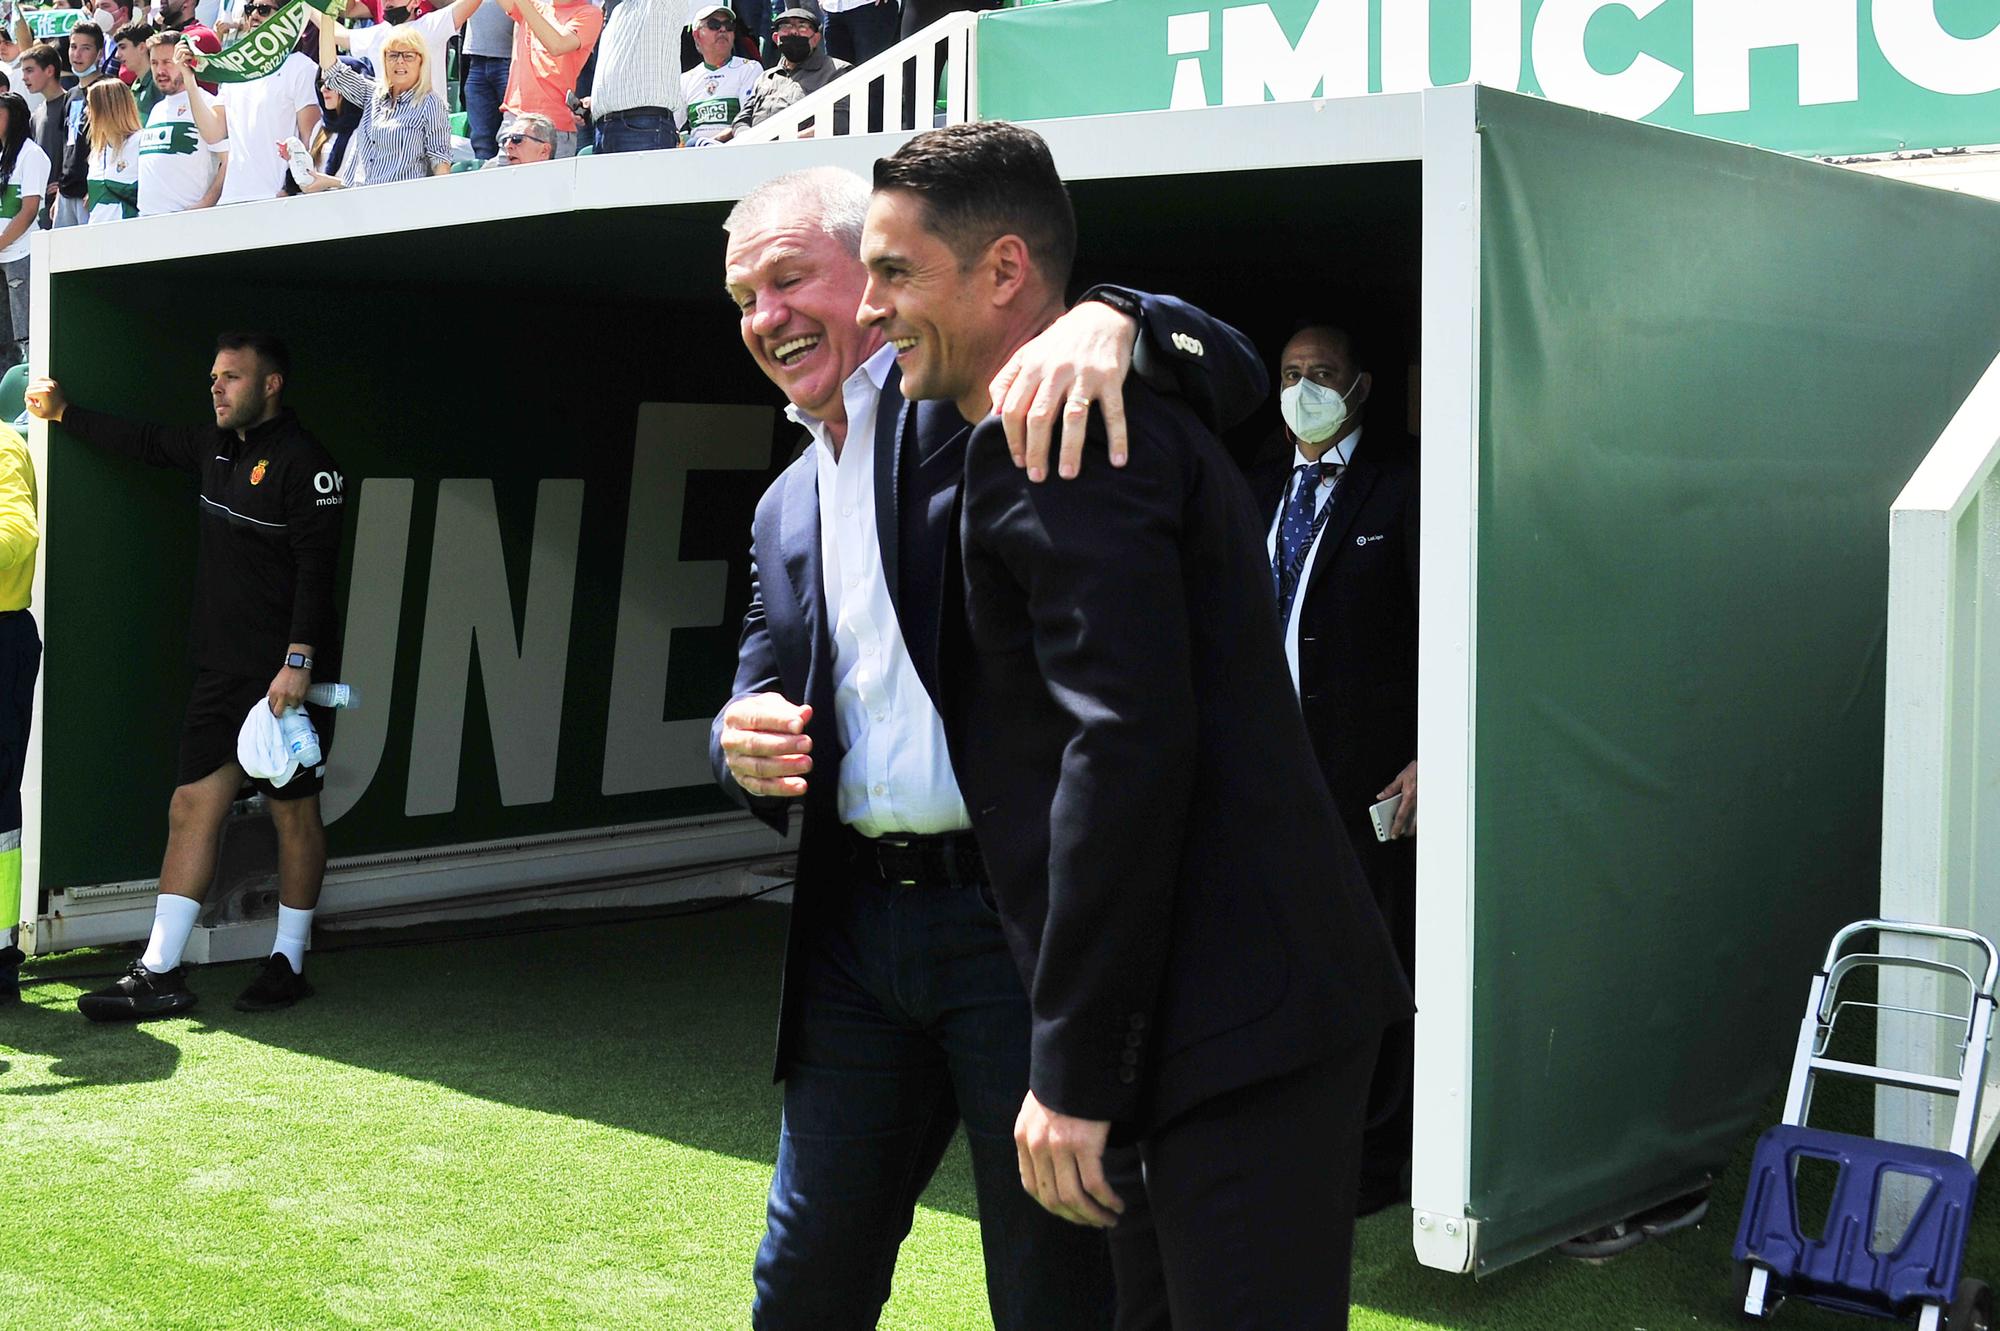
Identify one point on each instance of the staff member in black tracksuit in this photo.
(270, 510)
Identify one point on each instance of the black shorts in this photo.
(216, 707)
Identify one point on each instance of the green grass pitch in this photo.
(563, 1129)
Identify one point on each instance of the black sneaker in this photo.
(10, 974)
(276, 986)
(140, 994)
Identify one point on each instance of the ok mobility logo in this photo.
(1597, 54)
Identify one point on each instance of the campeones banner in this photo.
(257, 54)
(49, 24)
(1823, 77)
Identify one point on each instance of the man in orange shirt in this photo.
(552, 40)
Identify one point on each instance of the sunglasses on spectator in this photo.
(252, 11)
(719, 25)
(509, 140)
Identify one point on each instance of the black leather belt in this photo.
(905, 859)
(636, 111)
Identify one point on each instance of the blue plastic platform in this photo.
(1839, 1269)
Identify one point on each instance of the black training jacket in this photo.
(271, 508)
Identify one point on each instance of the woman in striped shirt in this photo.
(405, 133)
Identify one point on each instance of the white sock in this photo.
(173, 921)
(294, 927)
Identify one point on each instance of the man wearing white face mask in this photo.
(1343, 542)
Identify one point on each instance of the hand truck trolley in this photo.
(1840, 1269)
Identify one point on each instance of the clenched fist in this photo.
(764, 741)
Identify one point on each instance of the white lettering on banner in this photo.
(374, 612)
(1566, 74)
(1187, 35)
(1331, 59)
(1915, 42)
(1726, 31)
(1406, 45)
(661, 592)
(469, 604)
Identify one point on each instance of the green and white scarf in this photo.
(260, 52)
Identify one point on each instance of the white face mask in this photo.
(1313, 411)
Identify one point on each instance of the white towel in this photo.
(261, 747)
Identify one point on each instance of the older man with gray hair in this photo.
(903, 1014)
(527, 138)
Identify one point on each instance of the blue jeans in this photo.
(485, 85)
(911, 1019)
(624, 132)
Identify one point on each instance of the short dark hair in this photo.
(90, 30)
(164, 37)
(273, 357)
(135, 32)
(985, 180)
(44, 55)
(1351, 340)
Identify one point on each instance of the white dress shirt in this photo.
(896, 775)
(1343, 453)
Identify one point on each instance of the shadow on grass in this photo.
(661, 1026)
(82, 1054)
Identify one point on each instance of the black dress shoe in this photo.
(138, 995)
(276, 986)
(10, 974)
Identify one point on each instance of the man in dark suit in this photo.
(1340, 507)
(902, 1012)
(1207, 974)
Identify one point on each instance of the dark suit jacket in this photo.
(786, 646)
(1185, 908)
(1358, 613)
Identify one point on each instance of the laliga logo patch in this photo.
(257, 472)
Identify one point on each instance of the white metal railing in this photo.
(903, 85)
(1941, 742)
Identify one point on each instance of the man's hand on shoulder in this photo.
(45, 399)
(1078, 361)
(1062, 1164)
(765, 745)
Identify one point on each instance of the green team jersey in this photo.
(715, 97)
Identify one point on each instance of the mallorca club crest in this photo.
(257, 472)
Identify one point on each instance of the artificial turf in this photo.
(560, 1128)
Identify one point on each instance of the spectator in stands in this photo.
(489, 53)
(10, 63)
(113, 159)
(24, 183)
(803, 67)
(552, 39)
(405, 133)
(858, 30)
(530, 138)
(339, 118)
(635, 96)
(255, 117)
(178, 169)
(41, 74)
(86, 55)
(714, 91)
(179, 16)
(437, 28)
(129, 42)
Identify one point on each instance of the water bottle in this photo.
(334, 695)
(298, 161)
(301, 740)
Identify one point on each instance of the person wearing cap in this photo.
(714, 91)
(803, 68)
(552, 41)
(529, 138)
(635, 97)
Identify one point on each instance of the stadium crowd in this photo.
(108, 118)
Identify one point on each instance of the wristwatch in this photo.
(298, 661)
(1117, 300)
